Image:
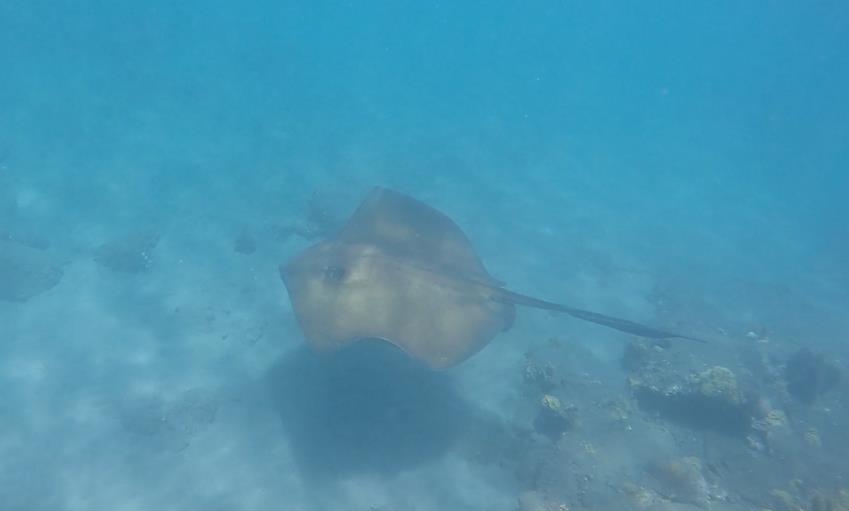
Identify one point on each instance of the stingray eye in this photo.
(334, 273)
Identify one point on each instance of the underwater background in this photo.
(677, 163)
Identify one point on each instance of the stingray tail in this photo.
(623, 325)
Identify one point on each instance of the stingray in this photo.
(403, 272)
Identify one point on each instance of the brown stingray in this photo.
(403, 272)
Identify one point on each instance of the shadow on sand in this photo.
(365, 409)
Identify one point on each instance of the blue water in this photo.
(673, 163)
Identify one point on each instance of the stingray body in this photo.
(405, 273)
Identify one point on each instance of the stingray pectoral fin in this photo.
(623, 325)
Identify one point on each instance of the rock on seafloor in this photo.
(809, 375)
(130, 254)
(244, 243)
(710, 399)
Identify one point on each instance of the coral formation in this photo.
(782, 500)
(639, 497)
(539, 377)
(825, 502)
(681, 480)
(535, 501)
(812, 437)
(554, 419)
(717, 383)
(799, 497)
(769, 430)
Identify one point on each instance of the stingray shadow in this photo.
(365, 409)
